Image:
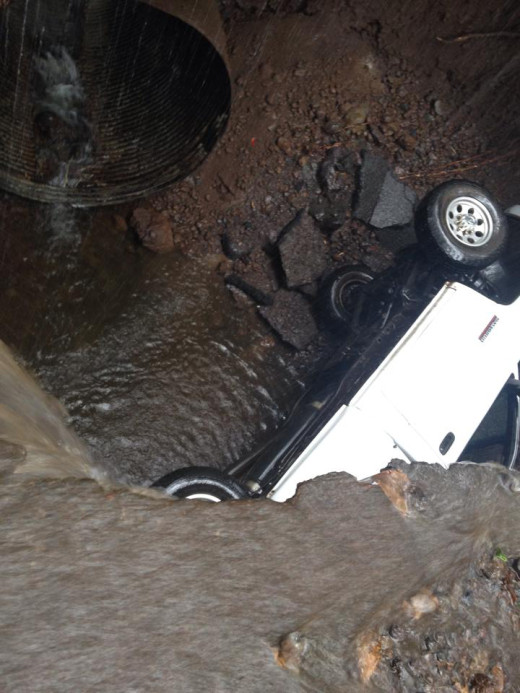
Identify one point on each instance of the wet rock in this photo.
(440, 108)
(331, 171)
(291, 317)
(291, 651)
(356, 115)
(302, 251)
(382, 200)
(284, 145)
(397, 632)
(395, 484)
(369, 655)
(330, 212)
(240, 241)
(331, 127)
(424, 602)
(153, 229)
(256, 277)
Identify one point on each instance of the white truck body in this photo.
(427, 398)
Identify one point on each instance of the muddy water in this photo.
(181, 376)
(156, 362)
(350, 587)
(335, 591)
(65, 274)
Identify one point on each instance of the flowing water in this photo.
(34, 438)
(335, 591)
(182, 376)
(157, 364)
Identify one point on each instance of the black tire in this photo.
(462, 223)
(337, 296)
(204, 483)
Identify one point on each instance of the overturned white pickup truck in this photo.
(409, 382)
(429, 395)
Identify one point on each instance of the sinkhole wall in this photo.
(103, 100)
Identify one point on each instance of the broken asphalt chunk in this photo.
(255, 276)
(291, 318)
(330, 212)
(382, 200)
(302, 251)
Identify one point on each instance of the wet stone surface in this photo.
(153, 230)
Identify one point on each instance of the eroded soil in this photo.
(136, 593)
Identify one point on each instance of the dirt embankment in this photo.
(310, 79)
(317, 84)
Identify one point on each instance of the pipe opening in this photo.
(112, 101)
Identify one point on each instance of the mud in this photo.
(336, 590)
(162, 365)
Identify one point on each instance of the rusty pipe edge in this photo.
(202, 15)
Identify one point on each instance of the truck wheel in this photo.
(463, 222)
(340, 290)
(201, 483)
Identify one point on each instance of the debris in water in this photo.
(369, 655)
(395, 485)
(291, 651)
(424, 602)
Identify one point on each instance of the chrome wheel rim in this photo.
(202, 496)
(469, 222)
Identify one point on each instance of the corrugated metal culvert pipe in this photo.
(103, 101)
